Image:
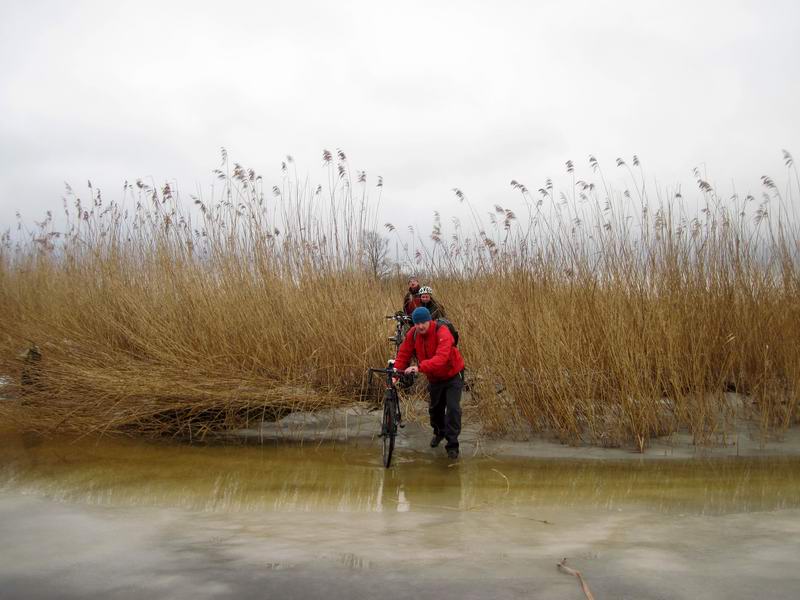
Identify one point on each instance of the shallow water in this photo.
(115, 518)
(349, 477)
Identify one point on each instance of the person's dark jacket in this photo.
(436, 353)
(436, 309)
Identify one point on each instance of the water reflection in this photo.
(349, 478)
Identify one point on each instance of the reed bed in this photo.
(600, 315)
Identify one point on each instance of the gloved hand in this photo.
(406, 380)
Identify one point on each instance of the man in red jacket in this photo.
(440, 360)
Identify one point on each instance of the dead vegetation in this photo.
(599, 315)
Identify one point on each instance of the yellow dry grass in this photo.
(600, 316)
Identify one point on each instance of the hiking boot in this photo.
(436, 440)
(452, 453)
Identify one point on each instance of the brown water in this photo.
(349, 477)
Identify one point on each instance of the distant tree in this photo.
(376, 254)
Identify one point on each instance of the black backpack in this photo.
(449, 325)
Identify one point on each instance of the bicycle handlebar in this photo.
(387, 371)
(404, 318)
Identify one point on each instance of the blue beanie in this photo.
(420, 315)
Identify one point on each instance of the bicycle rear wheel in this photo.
(389, 427)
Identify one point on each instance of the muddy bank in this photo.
(359, 423)
(743, 436)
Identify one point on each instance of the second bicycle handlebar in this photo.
(403, 318)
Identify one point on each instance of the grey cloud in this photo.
(429, 95)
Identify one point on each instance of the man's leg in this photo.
(436, 409)
(452, 420)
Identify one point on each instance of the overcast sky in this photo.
(430, 95)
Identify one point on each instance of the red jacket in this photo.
(410, 302)
(438, 357)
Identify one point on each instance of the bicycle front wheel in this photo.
(389, 429)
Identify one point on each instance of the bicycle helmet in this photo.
(425, 290)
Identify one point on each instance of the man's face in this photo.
(423, 327)
(425, 298)
(413, 285)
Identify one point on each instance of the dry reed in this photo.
(600, 316)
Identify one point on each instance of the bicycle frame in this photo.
(392, 418)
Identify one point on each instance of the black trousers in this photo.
(445, 409)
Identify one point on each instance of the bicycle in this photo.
(402, 321)
(392, 419)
